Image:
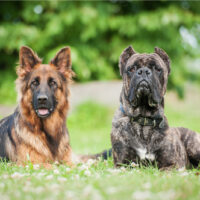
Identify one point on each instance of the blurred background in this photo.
(97, 33)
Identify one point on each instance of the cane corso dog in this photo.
(140, 131)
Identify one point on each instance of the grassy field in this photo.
(89, 128)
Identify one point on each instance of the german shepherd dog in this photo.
(36, 131)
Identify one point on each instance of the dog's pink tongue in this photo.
(43, 111)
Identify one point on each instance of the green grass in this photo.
(89, 126)
(186, 112)
(185, 118)
(97, 181)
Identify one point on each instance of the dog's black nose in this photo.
(42, 98)
(144, 71)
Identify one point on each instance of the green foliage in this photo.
(97, 32)
(7, 88)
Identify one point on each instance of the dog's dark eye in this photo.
(158, 69)
(130, 70)
(52, 83)
(35, 83)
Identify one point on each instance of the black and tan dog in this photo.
(140, 131)
(37, 130)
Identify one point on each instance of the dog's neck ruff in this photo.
(144, 121)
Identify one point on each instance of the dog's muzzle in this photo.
(42, 107)
(143, 89)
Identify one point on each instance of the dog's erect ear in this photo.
(126, 54)
(28, 59)
(164, 57)
(62, 60)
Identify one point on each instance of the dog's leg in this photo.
(120, 154)
(120, 150)
(67, 157)
(25, 154)
(172, 153)
(191, 141)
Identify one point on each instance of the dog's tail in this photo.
(103, 155)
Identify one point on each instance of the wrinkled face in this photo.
(44, 87)
(145, 78)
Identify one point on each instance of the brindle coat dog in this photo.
(140, 131)
(37, 130)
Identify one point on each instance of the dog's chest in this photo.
(143, 141)
(143, 154)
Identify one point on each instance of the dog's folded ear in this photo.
(164, 57)
(62, 60)
(126, 54)
(28, 59)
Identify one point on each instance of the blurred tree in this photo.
(97, 33)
